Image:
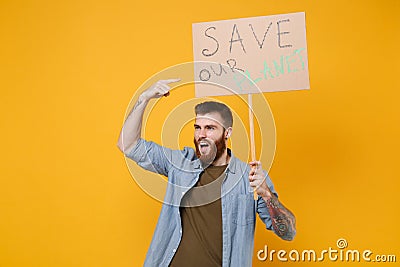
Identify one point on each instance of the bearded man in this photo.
(208, 214)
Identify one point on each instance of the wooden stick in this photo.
(252, 142)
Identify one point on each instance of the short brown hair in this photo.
(212, 106)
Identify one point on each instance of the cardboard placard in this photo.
(270, 51)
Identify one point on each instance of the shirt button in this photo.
(180, 231)
(183, 193)
(174, 250)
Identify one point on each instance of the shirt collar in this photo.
(232, 162)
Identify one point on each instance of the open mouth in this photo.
(203, 146)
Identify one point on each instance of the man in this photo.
(208, 215)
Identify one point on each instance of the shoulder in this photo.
(238, 166)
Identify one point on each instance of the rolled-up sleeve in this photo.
(262, 209)
(151, 156)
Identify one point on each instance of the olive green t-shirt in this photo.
(201, 243)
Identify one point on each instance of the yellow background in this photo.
(70, 68)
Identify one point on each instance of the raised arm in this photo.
(132, 128)
(283, 220)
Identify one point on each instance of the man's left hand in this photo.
(257, 179)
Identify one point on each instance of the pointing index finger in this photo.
(170, 80)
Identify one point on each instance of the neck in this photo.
(222, 160)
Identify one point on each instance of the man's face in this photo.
(209, 137)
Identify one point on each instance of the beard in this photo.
(215, 150)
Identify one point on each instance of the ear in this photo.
(228, 132)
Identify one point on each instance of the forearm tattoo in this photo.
(283, 220)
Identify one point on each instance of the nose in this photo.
(202, 133)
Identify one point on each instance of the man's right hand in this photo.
(159, 89)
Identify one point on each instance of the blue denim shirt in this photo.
(183, 168)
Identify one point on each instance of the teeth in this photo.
(202, 144)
